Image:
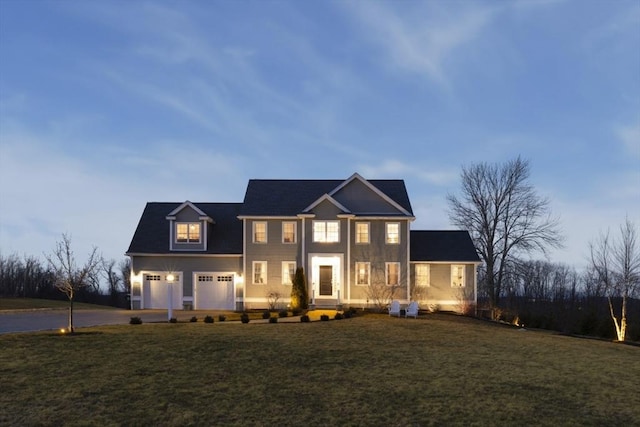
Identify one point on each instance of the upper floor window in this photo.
(393, 273)
(288, 232)
(326, 231)
(422, 275)
(362, 273)
(457, 276)
(188, 232)
(259, 232)
(362, 232)
(393, 233)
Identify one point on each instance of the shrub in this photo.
(273, 320)
(135, 321)
(283, 313)
(266, 314)
(222, 317)
(296, 312)
(338, 316)
(173, 320)
(347, 314)
(244, 318)
(194, 319)
(299, 293)
(304, 318)
(324, 317)
(208, 319)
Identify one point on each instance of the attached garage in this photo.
(214, 291)
(156, 290)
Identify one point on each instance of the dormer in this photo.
(188, 228)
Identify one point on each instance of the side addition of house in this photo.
(352, 238)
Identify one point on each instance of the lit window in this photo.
(288, 272)
(457, 276)
(362, 232)
(362, 273)
(259, 272)
(393, 233)
(393, 273)
(259, 232)
(188, 232)
(288, 232)
(422, 275)
(326, 231)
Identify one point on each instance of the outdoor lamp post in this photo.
(170, 279)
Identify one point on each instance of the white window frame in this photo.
(458, 277)
(387, 238)
(189, 240)
(357, 269)
(286, 280)
(426, 277)
(266, 232)
(295, 232)
(368, 227)
(321, 236)
(386, 273)
(263, 272)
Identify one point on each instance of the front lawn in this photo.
(371, 370)
(7, 303)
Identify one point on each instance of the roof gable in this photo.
(364, 198)
(187, 204)
(329, 199)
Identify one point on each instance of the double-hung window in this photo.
(260, 232)
(393, 233)
(288, 232)
(288, 272)
(259, 272)
(393, 273)
(188, 232)
(422, 275)
(326, 231)
(363, 270)
(457, 276)
(362, 232)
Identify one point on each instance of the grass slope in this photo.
(371, 370)
(41, 304)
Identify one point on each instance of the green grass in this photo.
(40, 304)
(370, 370)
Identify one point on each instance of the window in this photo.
(259, 272)
(362, 273)
(259, 232)
(188, 232)
(393, 273)
(362, 232)
(457, 276)
(326, 231)
(288, 272)
(422, 275)
(393, 233)
(288, 232)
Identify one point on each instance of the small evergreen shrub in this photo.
(304, 318)
(296, 312)
(173, 320)
(324, 317)
(135, 321)
(338, 316)
(208, 319)
(222, 317)
(283, 313)
(244, 318)
(266, 314)
(273, 320)
(194, 319)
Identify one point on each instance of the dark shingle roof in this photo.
(442, 246)
(152, 234)
(273, 197)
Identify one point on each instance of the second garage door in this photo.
(214, 291)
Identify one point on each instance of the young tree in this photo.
(616, 266)
(114, 281)
(299, 292)
(69, 277)
(504, 215)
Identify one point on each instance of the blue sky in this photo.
(105, 105)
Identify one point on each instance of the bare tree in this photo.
(616, 267)
(69, 277)
(114, 281)
(125, 272)
(504, 215)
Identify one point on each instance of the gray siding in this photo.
(189, 215)
(440, 290)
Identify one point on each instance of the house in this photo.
(352, 238)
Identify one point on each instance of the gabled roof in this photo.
(443, 246)
(356, 176)
(203, 216)
(269, 197)
(330, 200)
(152, 234)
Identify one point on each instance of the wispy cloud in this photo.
(629, 136)
(394, 168)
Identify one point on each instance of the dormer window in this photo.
(188, 232)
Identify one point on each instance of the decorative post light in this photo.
(170, 279)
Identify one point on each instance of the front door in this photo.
(326, 279)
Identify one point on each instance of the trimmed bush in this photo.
(244, 318)
(222, 317)
(273, 320)
(194, 319)
(338, 316)
(266, 314)
(304, 318)
(283, 313)
(296, 311)
(135, 321)
(173, 320)
(208, 319)
(324, 317)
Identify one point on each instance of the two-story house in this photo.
(352, 238)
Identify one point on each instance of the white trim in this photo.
(348, 281)
(371, 187)
(386, 233)
(385, 217)
(368, 224)
(266, 217)
(266, 232)
(326, 222)
(335, 260)
(244, 262)
(295, 232)
(464, 276)
(174, 212)
(303, 244)
(368, 264)
(188, 242)
(295, 266)
(409, 262)
(386, 273)
(476, 263)
(326, 197)
(415, 274)
(265, 273)
(194, 282)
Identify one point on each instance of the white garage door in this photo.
(156, 292)
(214, 291)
